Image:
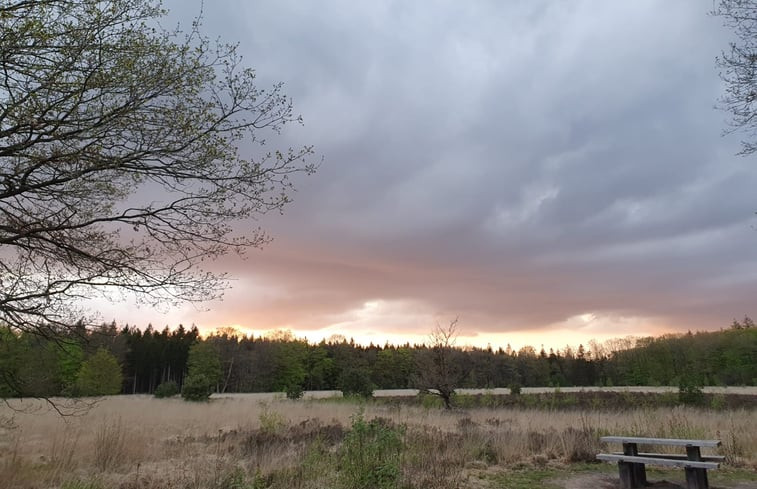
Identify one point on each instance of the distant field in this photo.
(750, 391)
(255, 441)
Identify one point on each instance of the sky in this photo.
(547, 172)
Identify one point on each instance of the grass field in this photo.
(253, 442)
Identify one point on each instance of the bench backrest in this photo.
(660, 441)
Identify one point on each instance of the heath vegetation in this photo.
(242, 442)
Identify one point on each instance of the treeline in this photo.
(31, 365)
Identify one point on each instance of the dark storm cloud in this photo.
(516, 163)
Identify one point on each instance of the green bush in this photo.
(515, 389)
(356, 382)
(690, 392)
(166, 389)
(271, 422)
(196, 388)
(718, 402)
(370, 455)
(489, 399)
(294, 391)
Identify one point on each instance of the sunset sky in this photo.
(547, 171)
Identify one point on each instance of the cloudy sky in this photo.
(546, 171)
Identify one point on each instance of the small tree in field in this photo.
(168, 388)
(356, 382)
(204, 371)
(100, 375)
(437, 373)
(196, 387)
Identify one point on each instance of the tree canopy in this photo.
(35, 366)
(120, 167)
(738, 69)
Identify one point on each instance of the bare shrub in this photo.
(738, 448)
(9, 468)
(580, 445)
(8, 422)
(303, 433)
(62, 452)
(433, 458)
(110, 445)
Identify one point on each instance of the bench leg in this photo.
(632, 476)
(626, 475)
(639, 475)
(696, 478)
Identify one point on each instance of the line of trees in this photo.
(128, 360)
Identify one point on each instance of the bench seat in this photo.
(639, 459)
(677, 456)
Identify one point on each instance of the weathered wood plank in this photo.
(660, 441)
(682, 463)
(706, 458)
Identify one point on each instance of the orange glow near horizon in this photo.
(398, 322)
(557, 339)
(380, 322)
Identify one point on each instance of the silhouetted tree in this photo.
(120, 167)
(437, 372)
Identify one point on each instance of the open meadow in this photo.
(258, 442)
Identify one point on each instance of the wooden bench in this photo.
(632, 463)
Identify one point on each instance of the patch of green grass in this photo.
(733, 475)
(341, 399)
(82, 484)
(540, 477)
(724, 475)
(526, 479)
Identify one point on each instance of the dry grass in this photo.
(137, 441)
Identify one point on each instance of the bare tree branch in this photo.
(119, 160)
(738, 69)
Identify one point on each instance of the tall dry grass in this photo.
(138, 441)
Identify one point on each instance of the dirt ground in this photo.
(606, 481)
(590, 481)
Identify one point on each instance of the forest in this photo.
(128, 360)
